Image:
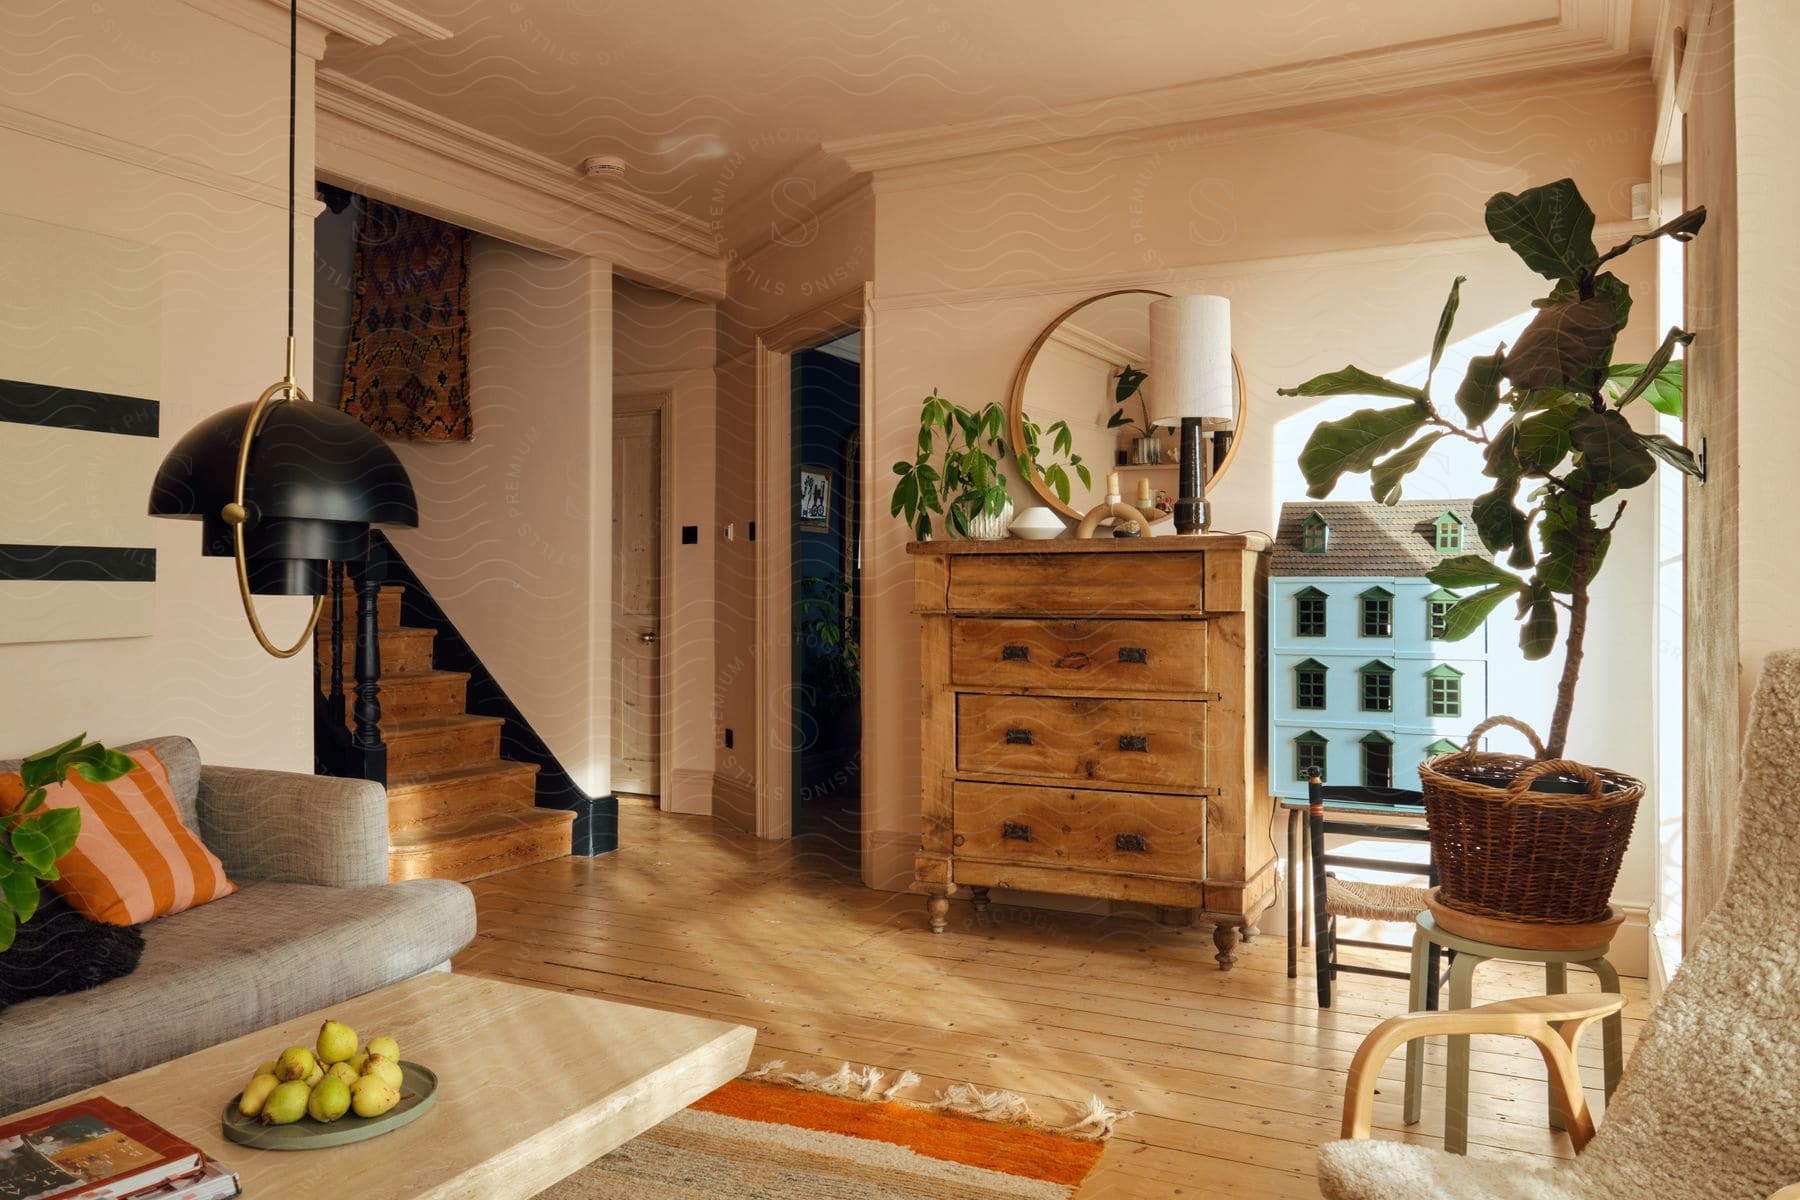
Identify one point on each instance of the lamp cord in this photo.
(293, 91)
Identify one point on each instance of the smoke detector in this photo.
(603, 166)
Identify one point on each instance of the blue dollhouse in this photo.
(1362, 682)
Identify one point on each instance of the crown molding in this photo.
(369, 140)
(370, 22)
(1090, 345)
(1583, 32)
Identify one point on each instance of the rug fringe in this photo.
(1094, 1120)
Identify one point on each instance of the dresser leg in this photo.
(978, 897)
(937, 908)
(1225, 937)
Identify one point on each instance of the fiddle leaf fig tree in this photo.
(1563, 447)
(32, 837)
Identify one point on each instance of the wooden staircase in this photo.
(456, 809)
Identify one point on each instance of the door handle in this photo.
(647, 637)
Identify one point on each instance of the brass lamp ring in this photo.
(237, 514)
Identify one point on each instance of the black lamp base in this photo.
(1191, 515)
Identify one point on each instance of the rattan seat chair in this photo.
(1355, 899)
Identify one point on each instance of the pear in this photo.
(313, 1076)
(387, 1047)
(343, 1072)
(385, 1069)
(373, 1096)
(359, 1062)
(296, 1062)
(337, 1042)
(286, 1103)
(329, 1101)
(256, 1093)
(267, 1068)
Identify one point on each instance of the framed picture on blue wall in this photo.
(815, 499)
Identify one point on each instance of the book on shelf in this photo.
(91, 1150)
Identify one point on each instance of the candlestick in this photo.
(1112, 484)
(1143, 492)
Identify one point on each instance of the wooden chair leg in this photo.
(1324, 957)
(1424, 971)
(1456, 1073)
(1556, 983)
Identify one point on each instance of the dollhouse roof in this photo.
(1366, 538)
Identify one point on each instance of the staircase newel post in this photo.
(366, 746)
(334, 700)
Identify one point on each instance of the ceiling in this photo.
(707, 98)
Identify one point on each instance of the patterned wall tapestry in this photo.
(406, 372)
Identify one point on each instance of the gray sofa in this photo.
(314, 921)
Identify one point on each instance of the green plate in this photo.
(418, 1092)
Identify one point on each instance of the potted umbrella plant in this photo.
(1551, 416)
(965, 485)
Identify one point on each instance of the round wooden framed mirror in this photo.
(1072, 374)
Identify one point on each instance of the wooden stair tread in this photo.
(401, 727)
(480, 828)
(498, 768)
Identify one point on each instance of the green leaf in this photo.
(8, 928)
(1566, 345)
(1607, 285)
(1562, 519)
(1503, 454)
(1117, 419)
(1386, 476)
(1446, 319)
(1471, 612)
(21, 895)
(1544, 439)
(1479, 393)
(1664, 392)
(1471, 570)
(1682, 229)
(1502, 526)
(1673, 453)
(1652, 371)
(1610, 449)
(33, 801)
(1354, 443)
(1058, 479)
(1353, 381)
(46, 766)
(33, 848)
(1130, 379)
(61, 826)
(96, 764)
(1537, 636)
(1550, 227)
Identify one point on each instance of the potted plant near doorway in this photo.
(1527, 839)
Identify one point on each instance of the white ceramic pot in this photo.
(990, 529)
(1037, 524)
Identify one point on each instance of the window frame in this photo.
(1448, 523)
(1373, 670)
(1365, 603)
(1302, 599)
(1304, 744)
(1302, 670)
(1446, 598)
(1450, 679)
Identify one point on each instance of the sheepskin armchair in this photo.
(1709, 1108)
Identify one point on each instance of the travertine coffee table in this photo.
(533, 1086)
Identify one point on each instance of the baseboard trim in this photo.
(596, 828)
(690, 792)
(734, 802)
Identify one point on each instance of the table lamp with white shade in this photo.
(1190, 386)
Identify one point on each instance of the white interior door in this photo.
(637, 601)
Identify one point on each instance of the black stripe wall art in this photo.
(76, 466)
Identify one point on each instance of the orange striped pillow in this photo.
(134, 859)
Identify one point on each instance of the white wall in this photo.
(163, 129)
(515, 528)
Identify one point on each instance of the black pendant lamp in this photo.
(282, 485)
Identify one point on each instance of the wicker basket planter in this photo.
(1524, 839)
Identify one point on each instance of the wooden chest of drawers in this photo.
(1091, 724)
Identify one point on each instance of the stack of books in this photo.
(96, 1150)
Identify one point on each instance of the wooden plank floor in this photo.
(1235, 1077)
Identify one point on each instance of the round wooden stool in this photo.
(1474, 940)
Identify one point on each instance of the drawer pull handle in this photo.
(1074, 660)
(1015, 654)
(1011, 832)
(1131, 842)
(1137, 742)
(1018, 737)
(1134, 654)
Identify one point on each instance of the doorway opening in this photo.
(637, 575)
(826, 575)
